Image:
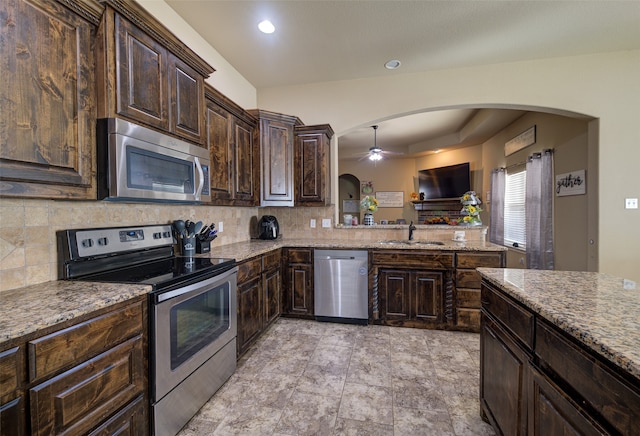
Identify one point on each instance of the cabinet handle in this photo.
(485, 302)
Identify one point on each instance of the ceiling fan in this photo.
(376, 153)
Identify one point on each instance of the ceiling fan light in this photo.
(375, 156)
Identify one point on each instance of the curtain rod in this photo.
(524, 162)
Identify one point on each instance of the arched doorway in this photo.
(348, 196)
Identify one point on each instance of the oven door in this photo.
(189, 326)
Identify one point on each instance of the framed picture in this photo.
(390, 198)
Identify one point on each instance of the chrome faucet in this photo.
(411, 229)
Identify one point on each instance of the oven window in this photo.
(197, 322)
(156, 172)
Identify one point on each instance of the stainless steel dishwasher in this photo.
(341, 286)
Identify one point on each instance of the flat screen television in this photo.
(445, 182)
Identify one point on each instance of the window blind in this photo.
(514, 210)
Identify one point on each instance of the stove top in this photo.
(165, 272)
(141, 255)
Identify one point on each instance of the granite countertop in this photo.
(26, 310)
(245, 250)
(592, 307)
(35, 307)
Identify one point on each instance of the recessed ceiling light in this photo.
(266, 27)
(392, 65)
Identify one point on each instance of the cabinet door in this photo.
(426, 296)
(79, 399)
(394, 294)
(221, 154)
(504, 370)
(552, 412)
(142, 78)
(310, 169)
(299, 291)
(277, 163)
(250, 312)
(272, 290)
(47, 101)
(187, 100)
(245, 164)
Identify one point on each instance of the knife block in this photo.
(203, 246)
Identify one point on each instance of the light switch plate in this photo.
(628, 284)
(312, 223)
(326, 222)
(220, 227)
(630, 203)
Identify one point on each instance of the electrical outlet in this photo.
(326, 222)
(628, 284)
(312, 223)
(630, 203)
(220, 227)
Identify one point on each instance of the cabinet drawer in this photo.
(469, 298)
(271, 260)
(477, 260)
(468, 278)
(299, 256)
(415, 259)
(249, 269)
(132, 420)
(80, 342)
(11, 372)
(79, 399)
(613, 398)
(515, 318)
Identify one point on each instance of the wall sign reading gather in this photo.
(573, 183)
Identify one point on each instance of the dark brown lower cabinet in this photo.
(411, 298)
(76, 400)
(503, 379)
(536, 379)
(552, 412)
(259, 290)
(298, 283)
(84, 376)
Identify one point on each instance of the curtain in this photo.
(539, 210)
(496, 215)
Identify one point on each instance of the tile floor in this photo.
(312, 378)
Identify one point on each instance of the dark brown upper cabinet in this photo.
(234, 154)
(275, 137)
(47, 99)
(149, 76)
(312, 165)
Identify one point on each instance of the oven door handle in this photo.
(200, 178)
(196, 287)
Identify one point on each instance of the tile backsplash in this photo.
(28, 252)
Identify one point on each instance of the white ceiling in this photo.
(323, 40)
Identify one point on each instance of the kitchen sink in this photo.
(407, 242)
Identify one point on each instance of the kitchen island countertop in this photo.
(594, 308)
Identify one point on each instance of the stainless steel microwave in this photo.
(139, 164)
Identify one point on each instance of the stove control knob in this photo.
(103, 241)
(166, 234)
(157, 235)
(87, 243)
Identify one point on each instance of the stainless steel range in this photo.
(193, 324)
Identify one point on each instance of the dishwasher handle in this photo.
(338, 258)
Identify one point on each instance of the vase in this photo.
(368, 219)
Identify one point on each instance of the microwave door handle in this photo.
(200, 178)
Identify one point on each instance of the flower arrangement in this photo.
(470, 209)
(369, 204)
